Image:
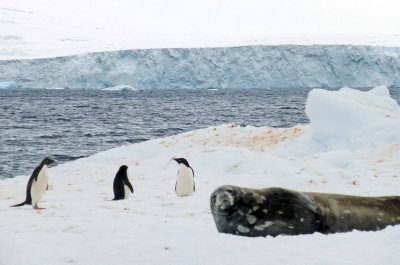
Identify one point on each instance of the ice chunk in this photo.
(8, 85)
(120, 88)
(347, 117)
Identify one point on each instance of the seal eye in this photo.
(229, 190)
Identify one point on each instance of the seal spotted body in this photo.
(278, 211)
(37, 185)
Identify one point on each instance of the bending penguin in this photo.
(184, 185)
(37, 185)
(122, 187)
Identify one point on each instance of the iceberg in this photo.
(120, 88)
(8, 85)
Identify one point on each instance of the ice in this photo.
(81, 226)
(351, 118)
(8, 85)
(287, 66)
(120, 88)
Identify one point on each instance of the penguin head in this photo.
(122, 169)
(47, 161)
(182, 161)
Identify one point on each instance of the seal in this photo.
(184, 185)
(37, 185)
(121, 185)
(279, 211)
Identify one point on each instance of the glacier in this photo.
(263, 66)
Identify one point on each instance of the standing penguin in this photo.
(37, 185)
(185, 185)
(122, 187)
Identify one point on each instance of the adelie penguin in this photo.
(122, 187)
(37, 185)
(185, 185)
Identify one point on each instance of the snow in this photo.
(44, 28)
(82, 226)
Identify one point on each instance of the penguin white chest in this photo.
(185, 181)
(127, 192)
(39, 186)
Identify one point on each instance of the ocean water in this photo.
(70, 124)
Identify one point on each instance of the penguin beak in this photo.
(53, 162)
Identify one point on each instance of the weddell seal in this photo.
(279, 211)
(37, 185)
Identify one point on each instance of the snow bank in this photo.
(81, 225)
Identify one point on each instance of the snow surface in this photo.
(46, 28)
(351, 146)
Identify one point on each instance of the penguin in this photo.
(37, 185)
(122, 187)
(184, 185)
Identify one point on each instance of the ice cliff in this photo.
(280, 66)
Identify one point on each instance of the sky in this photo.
(230, 17)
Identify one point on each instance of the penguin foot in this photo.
(36, 207)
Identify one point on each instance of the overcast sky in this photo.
(252, 17)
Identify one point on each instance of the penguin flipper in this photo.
(175, 185)
(194, 186)
(127, 183)
(129, 186)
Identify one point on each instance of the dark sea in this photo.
(70, 124)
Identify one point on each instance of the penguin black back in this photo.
(120, 181)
